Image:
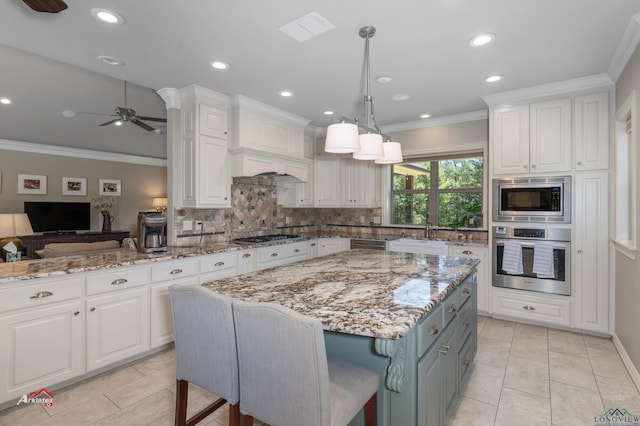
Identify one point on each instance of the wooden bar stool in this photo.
(285, 376)
(206, 354)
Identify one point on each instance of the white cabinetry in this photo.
(326, 182)
(533, 138)
(246, 261)
(281, 254)
(591, 252)
(42, 337)
(359, 183)
(117, 316)
(484, 280)
(218, 266)
(591, 129)
(328, 246)
(205, 163)
(537, 308)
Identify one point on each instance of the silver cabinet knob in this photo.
(41, 294)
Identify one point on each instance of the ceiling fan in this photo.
(48, 6)
(128, 115)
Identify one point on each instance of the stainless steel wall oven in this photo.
(535, 259)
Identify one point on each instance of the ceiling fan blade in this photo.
(162, 120)
(97, 113)
(110, 122)
(48, 6)
(143, 125)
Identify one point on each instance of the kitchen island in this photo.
(410, 317)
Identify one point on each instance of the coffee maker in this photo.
(152, 231)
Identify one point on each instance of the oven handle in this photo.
(528, 244)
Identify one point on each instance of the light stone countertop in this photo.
(362, 292)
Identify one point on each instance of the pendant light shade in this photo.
(370, 147)
(342, 138)
(392, 153)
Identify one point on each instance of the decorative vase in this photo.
(106, 222)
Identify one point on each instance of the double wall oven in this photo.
(531, 242)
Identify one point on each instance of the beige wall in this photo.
(140, 183)
(439, 137)
(627, 271)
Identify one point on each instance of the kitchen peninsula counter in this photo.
(363, 292)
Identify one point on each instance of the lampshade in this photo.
(370, 147)
(392, 153)
(15, 225)
(342, 138)
(159, 203)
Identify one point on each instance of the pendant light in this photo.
(343, 137)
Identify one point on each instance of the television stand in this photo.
(60, 233)
(31, 243)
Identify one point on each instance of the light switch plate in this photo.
(187, 225)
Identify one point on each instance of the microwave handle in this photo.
(527, 244)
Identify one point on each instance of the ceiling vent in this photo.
(310, 25)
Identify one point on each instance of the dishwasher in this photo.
(368, 244)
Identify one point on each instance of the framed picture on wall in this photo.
(74, 186)
(32, 184)
(110, 187)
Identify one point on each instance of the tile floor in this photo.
(522, 374)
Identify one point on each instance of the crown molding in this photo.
(627, 46)
(466, 147)
(37, 148)
(438, 121)
(245, 102)
(550, 89)
(171, 97)
(200, 93)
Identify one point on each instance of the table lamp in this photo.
(13, 225)
(160, 204)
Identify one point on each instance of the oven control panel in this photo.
(529, 233)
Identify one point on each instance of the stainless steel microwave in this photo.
(532, 199)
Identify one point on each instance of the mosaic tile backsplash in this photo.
(255, 211)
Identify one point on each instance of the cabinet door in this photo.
(117, 327)
(40, 347)
(449, 359)
(357, 183)
(328, 246)
(212, 121)
(591, 252)
(484, 285)
(326, 182)
(430, 389)
(247, 262)
(510, 142)
(214, 183)
(591, 127)
(550, 139)
(189, 154)
(161, 318)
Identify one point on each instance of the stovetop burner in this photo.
(267, 238)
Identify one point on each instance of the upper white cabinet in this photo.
(327, 180)
(591, 129)
(344, 182)
(532, 138)
(205, 163)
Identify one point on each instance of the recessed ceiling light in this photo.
(494, 78)
(286, 94)
(220, 65)
(107, 16)
(383, 79)
(328, 113)
(110, 60)
(400, 97)
(425, 116)
(481, 39)
(68, 113)
(5, 101)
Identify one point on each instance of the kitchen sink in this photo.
(411, 245)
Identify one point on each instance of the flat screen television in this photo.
(49, 216)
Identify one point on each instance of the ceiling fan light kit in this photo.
(343, 137)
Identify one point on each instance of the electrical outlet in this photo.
(187, 225)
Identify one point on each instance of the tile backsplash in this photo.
(255, 211)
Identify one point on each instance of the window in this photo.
(445, 191)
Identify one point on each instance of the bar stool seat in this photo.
(285, 376)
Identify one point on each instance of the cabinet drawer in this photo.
(51, 291)
(465, 323)
(547, 309)
(174, 270)
(429, 330)
(451, 305)
(465, 291)
(117, 280)
(219, 262)
(465, 359)
(281, 254)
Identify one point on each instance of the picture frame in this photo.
(32, 184)
(74, 186)
(111, 187)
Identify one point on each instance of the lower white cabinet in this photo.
(40, 347)
(218, 266)
(328, 246)
(246, 261)
(117, 326)
(484, 280)
(312, 249)
(161, 317)
(281, 254)
(520, 304)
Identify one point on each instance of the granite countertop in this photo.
(368, 293)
